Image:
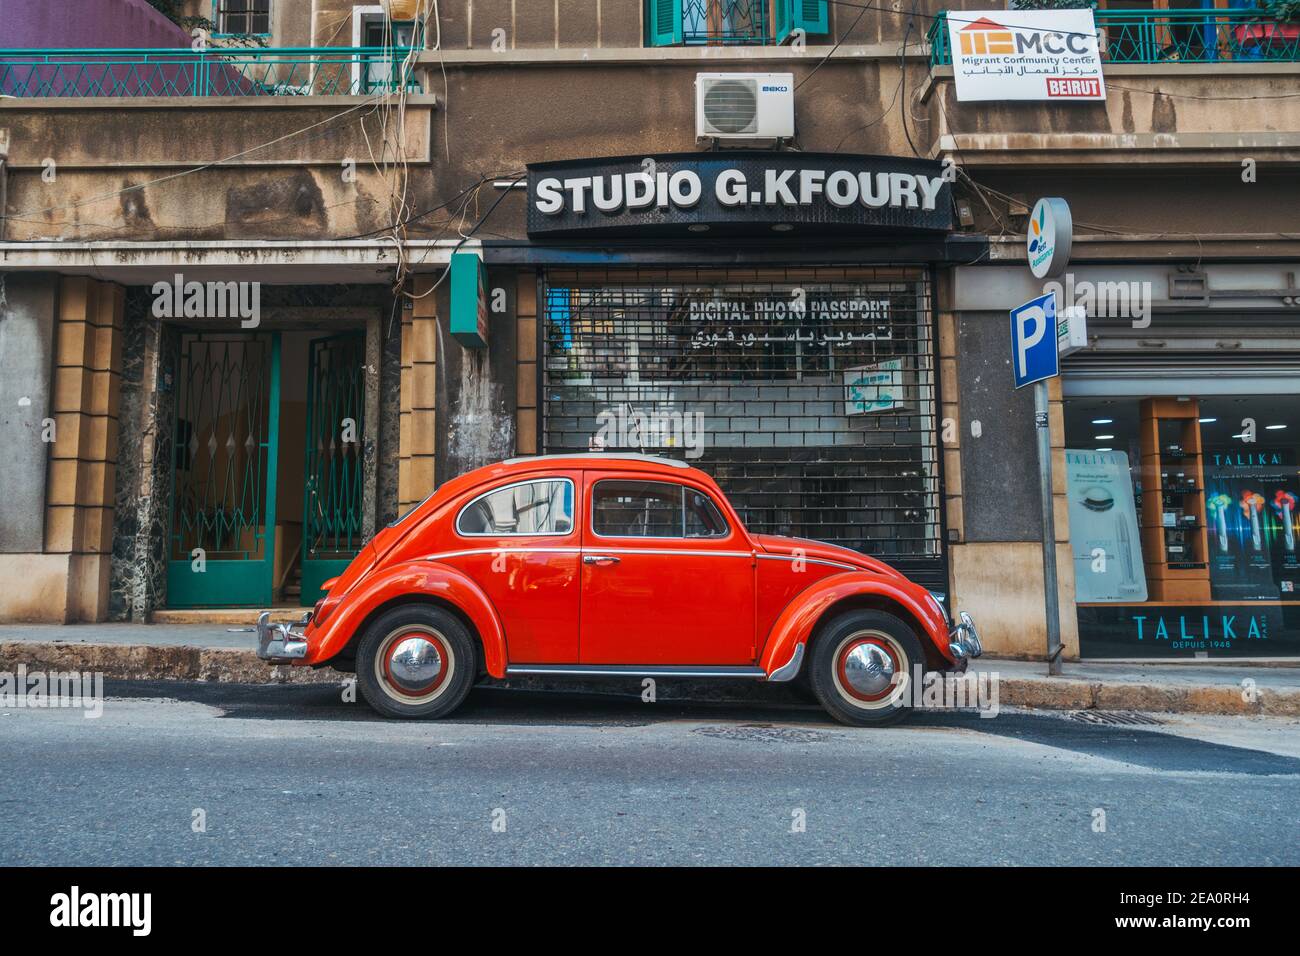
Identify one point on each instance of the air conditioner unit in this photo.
(744, 108)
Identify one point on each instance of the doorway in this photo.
(270, 486)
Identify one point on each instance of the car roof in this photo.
(605, 459)
(602, 461)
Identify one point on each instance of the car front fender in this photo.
(411, 579)
(795, 623)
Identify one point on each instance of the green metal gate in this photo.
(222, 537)
(332, 500)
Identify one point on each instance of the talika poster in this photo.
(1253, 524)
(1104, 534)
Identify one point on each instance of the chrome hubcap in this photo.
(869, 670)
(414, 664)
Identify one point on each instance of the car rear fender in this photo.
(795, 624)
(404, 582)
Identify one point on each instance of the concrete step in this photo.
(234, 616)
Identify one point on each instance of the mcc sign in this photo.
(1025, 55)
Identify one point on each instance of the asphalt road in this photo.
(293, 775)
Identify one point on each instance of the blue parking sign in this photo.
(1033, 340)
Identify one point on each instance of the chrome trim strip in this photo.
(822, 561)
(668, 551)
(674, 551)
(790, 670)
(473, 551)
(631, 670)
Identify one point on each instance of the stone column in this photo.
(526, 319)
(416, 440)
(82, 474)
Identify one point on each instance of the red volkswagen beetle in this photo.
(607, 565)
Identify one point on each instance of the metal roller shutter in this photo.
(759, 364)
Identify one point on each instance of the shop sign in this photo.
(875, 388)
(1034, 354)
(796, 318)
(1104, 536)
(469, 311)
(1215, 630)
(1049, 237)
(715, 193)
(1025, 55)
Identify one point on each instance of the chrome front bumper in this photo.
(964, 640)
(279, 643)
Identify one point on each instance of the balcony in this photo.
(731, 22)
(1173, 36)
(243, 72)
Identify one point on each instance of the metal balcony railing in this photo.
(726, 22)
(251, 71)
(1170, 36)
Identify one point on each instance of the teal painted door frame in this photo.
(230, 516)
(333, 472)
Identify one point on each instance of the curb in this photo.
(149, 662)
(154, 662)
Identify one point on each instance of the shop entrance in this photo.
(1184, 506)
(809, 394)
(268, 484)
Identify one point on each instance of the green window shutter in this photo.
(664, 22)
(810, 16)
(807, 15)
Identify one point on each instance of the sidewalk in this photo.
(209, 652)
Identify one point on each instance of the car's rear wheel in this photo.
(415, 661)
(862, 667)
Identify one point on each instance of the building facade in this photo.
(262, 296)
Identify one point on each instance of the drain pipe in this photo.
(4, 180)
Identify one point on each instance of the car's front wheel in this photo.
(415, 661)
(863, 665)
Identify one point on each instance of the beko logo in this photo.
(74, 909)
(776, 89)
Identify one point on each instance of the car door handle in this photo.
(599, 559)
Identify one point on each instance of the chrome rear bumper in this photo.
(964, 640)
(279, 643)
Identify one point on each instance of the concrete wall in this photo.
(295, 187)
(27, 314)
(65, 577)
(101, 24)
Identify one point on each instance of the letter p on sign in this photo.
(1033, 340)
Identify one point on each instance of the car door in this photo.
(519, 542)
(666, 579)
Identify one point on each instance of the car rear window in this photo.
(527, 507)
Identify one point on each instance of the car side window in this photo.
(703, 520)
(526, 508)
(653, 509)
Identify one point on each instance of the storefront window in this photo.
(809, 395)
(1184, 522)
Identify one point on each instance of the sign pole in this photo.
(1051, 600)
(1048, 239)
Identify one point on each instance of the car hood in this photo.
(808, 548)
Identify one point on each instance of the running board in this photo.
(631, 670)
